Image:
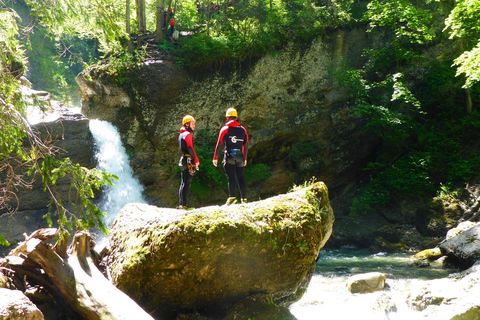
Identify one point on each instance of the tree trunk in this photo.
(159, 33)
(468, 93)
(127, 17)
(141, 16)
(469, 100)
(208, 18)
(75, 276)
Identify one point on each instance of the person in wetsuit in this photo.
(189, 161)
(234, 138)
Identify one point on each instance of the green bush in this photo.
(245, 30)
(447, 193)
(370, 198)
(304, 158)
(202, 51)
(208, 178)
(255, 173)
(406, 178)
(438, 157)
(4, 242)
(54, 63)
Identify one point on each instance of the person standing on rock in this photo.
(189, 161)
(234, 138)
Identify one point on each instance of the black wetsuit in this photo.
(188, 155)
(234, 138)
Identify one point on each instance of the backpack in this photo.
(175, 35)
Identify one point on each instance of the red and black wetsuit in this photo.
(234, 138)
(172, 24)
(188, 155)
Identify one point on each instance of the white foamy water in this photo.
(112, 157)
(412, 293)
(329, 297)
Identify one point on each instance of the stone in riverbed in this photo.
(429, 254)
(463, 249)
(366, 282)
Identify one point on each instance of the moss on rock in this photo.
(429, 254)
(172, 260)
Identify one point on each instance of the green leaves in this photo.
(408, 22)
(102, 20)
(463, 23)
(402, 93)
(388, 106)
(85, 183)
(463, 20)
(241, 30)
(408, 176)
(224, 31)
(23, 153)
(4, 242)
(468, 64)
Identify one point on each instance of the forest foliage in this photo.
(414, 102)
(24, 157)
(421, 107)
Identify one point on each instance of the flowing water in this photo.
(112, 157)
(110, 154)
(327, 296)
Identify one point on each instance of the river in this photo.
(327, 296)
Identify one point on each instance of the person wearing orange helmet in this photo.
(234, 138)
(189, 161)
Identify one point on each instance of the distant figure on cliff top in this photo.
(172, 22)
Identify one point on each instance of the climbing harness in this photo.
(187, 163)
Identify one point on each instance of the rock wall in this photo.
(296, 115)
(300, 124)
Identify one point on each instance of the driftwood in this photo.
(73, 275)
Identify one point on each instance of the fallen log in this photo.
(74, 276)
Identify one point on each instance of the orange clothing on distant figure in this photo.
(172, 22)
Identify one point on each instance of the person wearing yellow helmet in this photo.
(234, 139)
(189, 161)
(232, 113)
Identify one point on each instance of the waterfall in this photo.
(112, 157)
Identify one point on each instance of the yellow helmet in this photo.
(231, 112)
(188, 118)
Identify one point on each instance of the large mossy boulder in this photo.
(172, 260)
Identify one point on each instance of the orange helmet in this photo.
(231, 112)
(188, 118)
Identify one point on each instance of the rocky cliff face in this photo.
(300, 124)
(296, 115)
